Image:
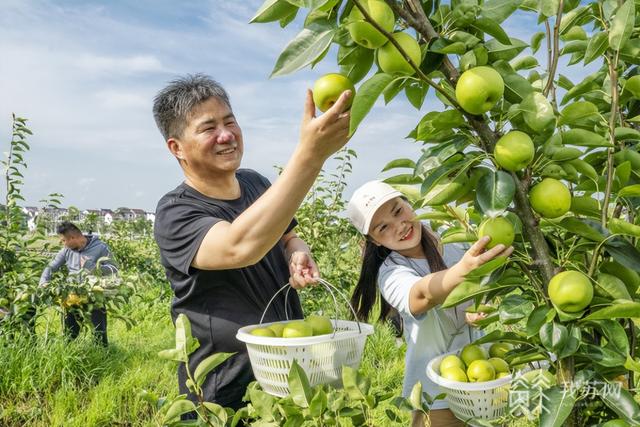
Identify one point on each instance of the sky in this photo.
(85, 73)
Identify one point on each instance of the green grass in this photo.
(52, 382)
(49, 381)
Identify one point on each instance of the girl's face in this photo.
(394, 226)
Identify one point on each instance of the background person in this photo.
(403, 264)
(81, 253)
(226, 234)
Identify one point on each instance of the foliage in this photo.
(585, 133)
(320, 405)
(333, 241)
(20, 263)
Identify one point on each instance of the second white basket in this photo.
(486, 400)
(321, 357)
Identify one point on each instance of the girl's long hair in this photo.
(366, 291)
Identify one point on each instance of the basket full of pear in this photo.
(476, 380)
(319, 344)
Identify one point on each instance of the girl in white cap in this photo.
(403, 263)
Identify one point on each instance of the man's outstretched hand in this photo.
(322, 136)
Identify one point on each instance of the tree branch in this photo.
(420, 22)
(556, 50)
(404, 54)
(488, 140)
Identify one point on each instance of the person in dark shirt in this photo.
(226, 236)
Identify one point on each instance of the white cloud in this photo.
(112, 64)
(85, 74)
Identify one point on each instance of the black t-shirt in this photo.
(218, 302)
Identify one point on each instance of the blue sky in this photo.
(85, 72)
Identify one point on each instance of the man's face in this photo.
(211, 143)
(72, 241)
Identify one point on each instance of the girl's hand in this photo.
(472, 318)
(477, 255)
(303, 270)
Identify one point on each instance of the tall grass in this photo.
(50, 381)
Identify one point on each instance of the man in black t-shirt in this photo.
(225, 234)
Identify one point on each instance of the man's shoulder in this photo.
(251, 176)
(171, 197)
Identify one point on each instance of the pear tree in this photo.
(568, 183)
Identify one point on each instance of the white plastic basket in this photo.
(486, 400)
(321, 357)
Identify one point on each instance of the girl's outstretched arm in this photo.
(434, 288)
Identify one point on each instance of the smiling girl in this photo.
(404, 263)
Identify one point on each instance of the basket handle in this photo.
(328, 286)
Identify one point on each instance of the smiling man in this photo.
(226, 236)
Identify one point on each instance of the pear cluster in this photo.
(311, 326)
(390, 60)
(473, 364)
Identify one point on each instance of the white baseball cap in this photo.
(366, 200)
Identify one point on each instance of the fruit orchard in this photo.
(518, 150)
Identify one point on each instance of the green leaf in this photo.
(537, 318)
(553, 336)
(468, 290)
(616, 311)
(403, 178)
(516, 87)
(415, 398)
(176, 355)
(572, 17)
(604, 356)
(624, 252)
(308, 45)
(366, 96)
(355, 62)
(615, 334)
(625, 134)
(177, 408)
(597, 45)
(582, 229)
(273, 10)
(536, 39)
(446, 47)
(399, 163)
(630, 191)
(416, 93)
(514, 308)
(494, 192)
(506, 52)
(299, 387)
(621, 403)
(356, 386)
(557, 405)
(584, 138)
(577, 112)
(524, 63)
(486, 268)
(620, 226)
(308, 4)
(548, 7)
(492, 28)
(499, 10)
(318, 404)
(622, 25)
(209, 364)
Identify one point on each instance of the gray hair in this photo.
(173, 104)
